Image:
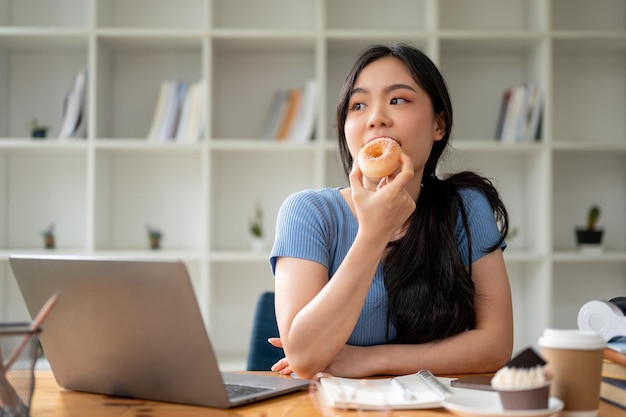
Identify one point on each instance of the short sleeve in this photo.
(302, 229)
(482, 224)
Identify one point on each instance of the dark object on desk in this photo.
(620, 302)
(480, 382)
(262, 355)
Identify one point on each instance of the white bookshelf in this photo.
(101, 191)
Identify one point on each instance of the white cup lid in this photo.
(572, 339)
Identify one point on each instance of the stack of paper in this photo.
(413, 391)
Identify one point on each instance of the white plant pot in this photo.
(257, 244)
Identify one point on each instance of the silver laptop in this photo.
(132, 328)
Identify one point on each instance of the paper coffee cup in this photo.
(574, 357)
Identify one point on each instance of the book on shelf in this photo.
(534, 113)
(520, 113)
(172, 113)
(513, 114)
(304, 123)
(185, 115)
(192, 119)
(614, 391)
(413, 391)
(179, 112)
(292, 114)
(158, 116)
(504, 103)
(294, 97)
(276, 113)
(74, 120)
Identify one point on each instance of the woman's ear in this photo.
(440, 127)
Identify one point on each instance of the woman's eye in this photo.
(357, 106)
(398, 100)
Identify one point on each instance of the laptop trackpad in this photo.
(263, 380)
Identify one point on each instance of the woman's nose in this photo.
(379, 117)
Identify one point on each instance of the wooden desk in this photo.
(50, 400)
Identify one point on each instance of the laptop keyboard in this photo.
(235, 390)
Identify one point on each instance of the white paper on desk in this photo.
(348, 393)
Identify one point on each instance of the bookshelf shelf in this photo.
(575, 256)
(101, 191)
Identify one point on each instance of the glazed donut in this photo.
(379, 158)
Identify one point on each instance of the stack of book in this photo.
(613, 385)
(520, 115)
(292, 114)
(179, 114)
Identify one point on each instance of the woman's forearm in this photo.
(469, 352)
(320, 329)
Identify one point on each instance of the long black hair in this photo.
(430, 291)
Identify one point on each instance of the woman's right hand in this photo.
(385, 210)
(282, 366)
(350, 362)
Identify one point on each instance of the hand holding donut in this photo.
(385, 210)
(379, 158)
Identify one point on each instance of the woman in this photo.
(393, 275)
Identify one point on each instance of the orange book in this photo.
(615, 356)
(292, 110)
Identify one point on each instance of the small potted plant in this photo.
(590, 237)
(48, 237)
(38, 131)
(154, 237)
(256, 229)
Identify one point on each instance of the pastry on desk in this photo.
(523, 382)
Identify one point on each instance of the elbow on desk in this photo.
(306, 372)
(306, 367)
(496, 358)
(306, 363)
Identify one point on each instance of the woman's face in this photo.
(386, 101)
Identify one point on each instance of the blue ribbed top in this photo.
(318, 225)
